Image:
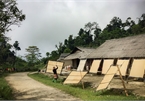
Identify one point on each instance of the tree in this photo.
(47, 54)
(141, 22)
(112, 30)
(33, 54)
(79, 40)
(5, 54)
(60, 48)
(84, 37)
(89, 27)
(129, 24)
(67, 50)
(17, 48)
(54, 55)
(9, 15)
(97, 32)
(70, 42)
(136, 29)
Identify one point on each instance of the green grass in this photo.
(5, 90)
(85, 94)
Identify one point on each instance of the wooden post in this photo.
(129, 68)
(81, 80)
(122, 81)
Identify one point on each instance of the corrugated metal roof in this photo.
(79, 53)
(133, 46)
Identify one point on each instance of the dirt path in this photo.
(26, 88)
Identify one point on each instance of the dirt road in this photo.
(26, 88)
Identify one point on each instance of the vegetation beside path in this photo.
(85, 94)
(5, 89)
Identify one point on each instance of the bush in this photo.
(5, 90)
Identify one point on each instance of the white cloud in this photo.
(49, 22)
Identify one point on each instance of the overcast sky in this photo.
(49, 22)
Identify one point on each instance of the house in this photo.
(131, 48)
(62, 57)
(78, 54)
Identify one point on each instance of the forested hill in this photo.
(93, 36)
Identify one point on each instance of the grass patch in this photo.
(87, 93)
(5, 90)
